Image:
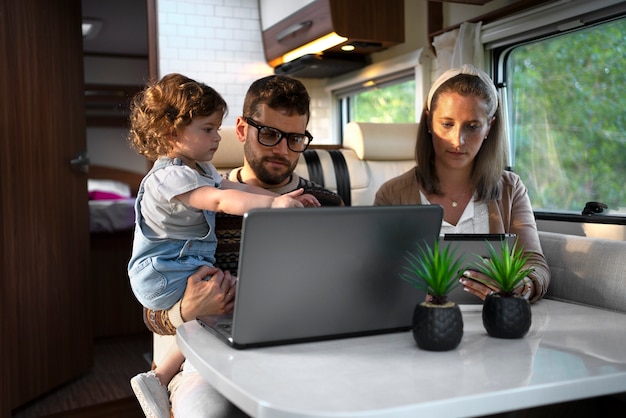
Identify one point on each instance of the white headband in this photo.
(464, 69)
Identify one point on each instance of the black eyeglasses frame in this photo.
(258, 126)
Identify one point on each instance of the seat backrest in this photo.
(375, 153)
(589, 271)
(229, 155)
(371, 154)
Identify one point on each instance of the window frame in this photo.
(345, 96)
(501, 37)
(417, 64)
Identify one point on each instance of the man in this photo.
(275, 107)
(273, 130)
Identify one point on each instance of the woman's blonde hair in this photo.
(166, 107)
(490, 161)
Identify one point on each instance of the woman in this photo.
(461, 158)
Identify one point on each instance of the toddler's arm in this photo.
(236, 202)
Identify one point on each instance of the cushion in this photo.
(589, 271)
(97, 187)
(370, 141)
(229, 155)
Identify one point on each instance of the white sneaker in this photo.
(151, 394)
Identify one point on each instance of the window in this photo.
(391, 102)
(384, 92)
(567, 121)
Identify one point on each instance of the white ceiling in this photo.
(124, 27)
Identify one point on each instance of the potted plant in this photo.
(437, 322)
(505, 314)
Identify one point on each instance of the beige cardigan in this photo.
(513, 213)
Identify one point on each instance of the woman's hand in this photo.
(475, 287)
(470, 284)
(209, 291)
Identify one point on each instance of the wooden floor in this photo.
(104, 391)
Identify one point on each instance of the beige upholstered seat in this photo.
(371, 154)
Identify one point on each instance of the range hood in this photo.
(350, 30)
(321, 65)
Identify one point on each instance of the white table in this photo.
(571, 352)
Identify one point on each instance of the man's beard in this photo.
(264, 175)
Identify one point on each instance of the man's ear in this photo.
(241, 129)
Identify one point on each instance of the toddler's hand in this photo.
(308, 201)
(288, 200)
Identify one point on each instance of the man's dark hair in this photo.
(277, 92)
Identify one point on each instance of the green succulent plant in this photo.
(505, 268)
(434, 270)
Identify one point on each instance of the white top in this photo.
(570, 352)
(475, 219)
(167, 217)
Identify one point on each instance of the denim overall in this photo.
(159, 268)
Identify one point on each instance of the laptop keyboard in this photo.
(225, 326)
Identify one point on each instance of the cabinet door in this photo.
(45, 332)
(273, 11)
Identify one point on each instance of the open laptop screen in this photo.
(315, 273)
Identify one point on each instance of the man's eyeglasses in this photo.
(269, 137)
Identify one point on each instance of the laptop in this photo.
(320, 273)
(469, 247)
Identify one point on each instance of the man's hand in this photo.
(209, 291)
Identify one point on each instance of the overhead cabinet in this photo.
(368, 26)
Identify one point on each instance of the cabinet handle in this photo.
(291, 30)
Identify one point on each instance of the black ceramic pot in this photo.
(437, 327)
(506, 316)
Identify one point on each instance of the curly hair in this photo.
(165, 107)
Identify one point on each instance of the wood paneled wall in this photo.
(45, 332)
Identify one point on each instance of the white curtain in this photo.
(457, 47)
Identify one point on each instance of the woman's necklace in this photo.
(454, 202)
